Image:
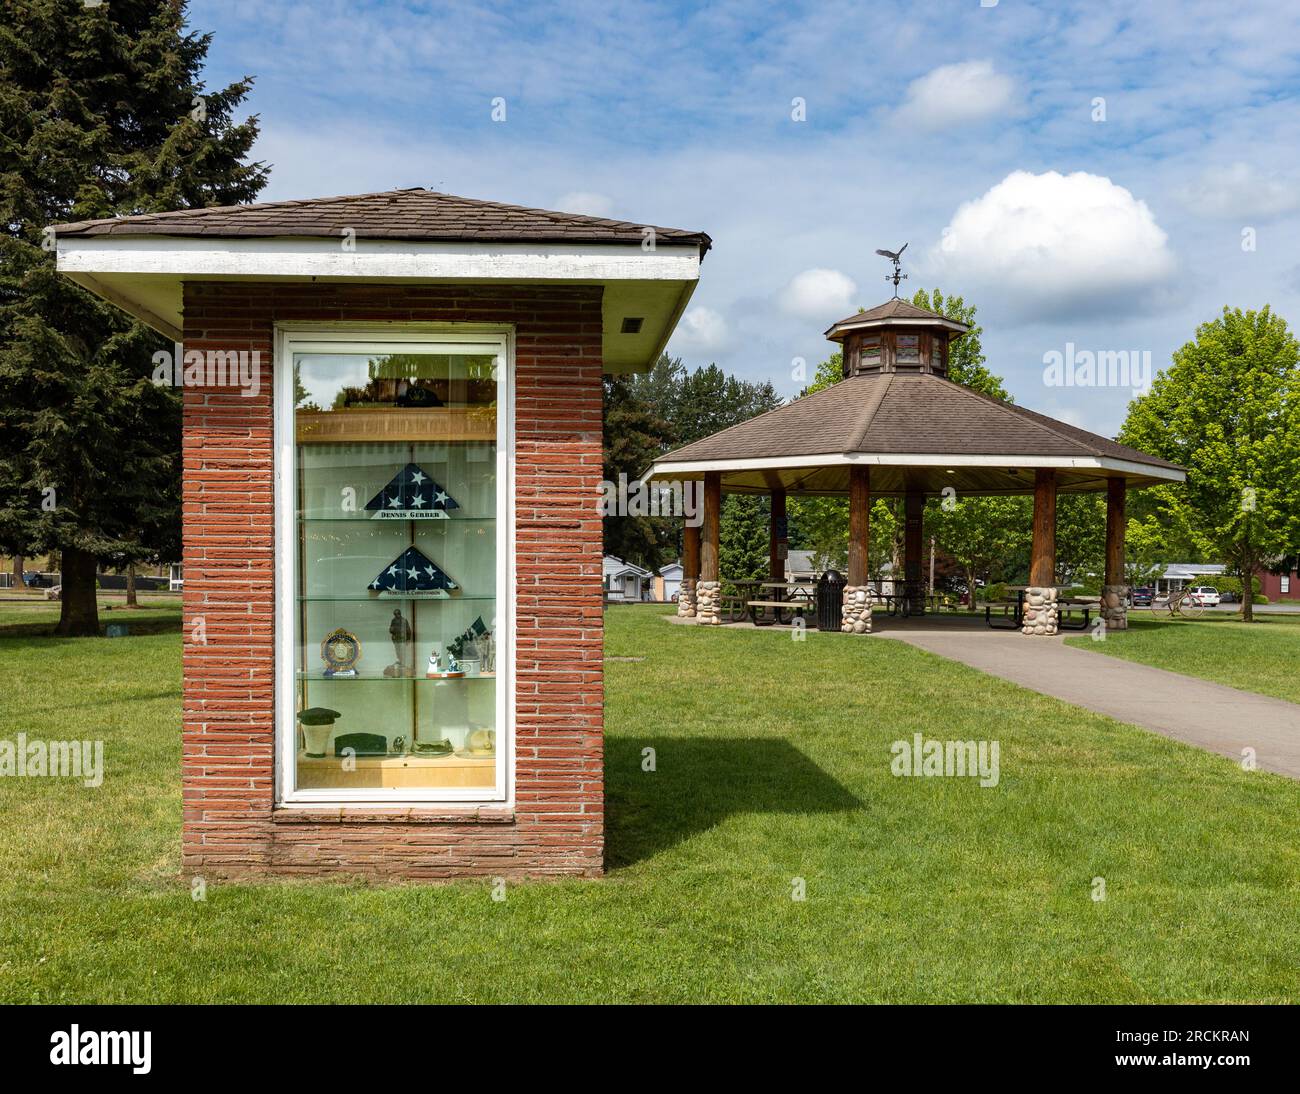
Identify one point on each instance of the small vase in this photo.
(318, 739)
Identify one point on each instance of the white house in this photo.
(1179, 575)
(669, 581)
(625, 581)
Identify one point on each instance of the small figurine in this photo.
(435, 661)
(399, 630)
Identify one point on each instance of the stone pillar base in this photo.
(855, 616)
(1113, 610)
(708, 602)
(1040, 610)
(686, 599)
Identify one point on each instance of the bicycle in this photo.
(1180, 605)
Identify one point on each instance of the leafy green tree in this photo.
(1080, 536)
(1146, 546)
(102, 112)
(1228, 410)
(979, 534)
(966, 354)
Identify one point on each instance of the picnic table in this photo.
(1013, 611)
(788, 598)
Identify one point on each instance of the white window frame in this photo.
(1285, 584)
(291, 338)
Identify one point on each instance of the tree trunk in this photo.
(1248, 598)
(970, 589)
(18, 571)
(78, 610)
(130, 586)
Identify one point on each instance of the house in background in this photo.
(1180, 575)
(668, 582)
(625, 581)
(1281, 586)
(800, 566)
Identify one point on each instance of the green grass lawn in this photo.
(772, 764)
(1263, 656)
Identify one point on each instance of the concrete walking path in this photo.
(1211, 716)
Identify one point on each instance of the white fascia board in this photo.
(671, 468)
(327, 258)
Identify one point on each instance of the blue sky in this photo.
(973, 133)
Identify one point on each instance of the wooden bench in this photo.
(796, 607)
(1011, 618)
(1075, 603)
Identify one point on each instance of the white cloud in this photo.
(1055, 246)
(956, 95)
(702, 330)
(1239, 190)
(822, 295)
(585, 201)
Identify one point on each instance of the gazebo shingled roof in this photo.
(896, 426)
(895, 311)
(975, 443)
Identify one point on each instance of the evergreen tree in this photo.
(102, 112)
(634, 436)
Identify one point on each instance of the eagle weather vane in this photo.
(896, 257)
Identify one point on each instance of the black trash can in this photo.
(830, 600)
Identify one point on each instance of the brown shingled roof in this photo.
(892, 312)
(899, 413)
(413, 214)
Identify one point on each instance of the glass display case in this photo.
(397, 462)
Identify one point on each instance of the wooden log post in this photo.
(1042, 559)
(1114, 593)
(777, 538)
(690, 570)
(855, 616)
(859, 524)
(708, 590)
(1040, 598)
(913, 518)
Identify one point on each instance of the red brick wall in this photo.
(231, 825)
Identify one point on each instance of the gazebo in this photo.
(896, 426)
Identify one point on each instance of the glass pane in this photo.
(396, 581)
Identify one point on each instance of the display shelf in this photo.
(376, 678)
(390, 599)
(398, 770)
(401, 523)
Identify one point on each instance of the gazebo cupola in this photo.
(896, 337)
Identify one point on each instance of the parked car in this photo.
(1229, 598)
(1206, 594)
(1143, 595)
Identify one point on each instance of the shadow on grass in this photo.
(19, 636)
(699, 782)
